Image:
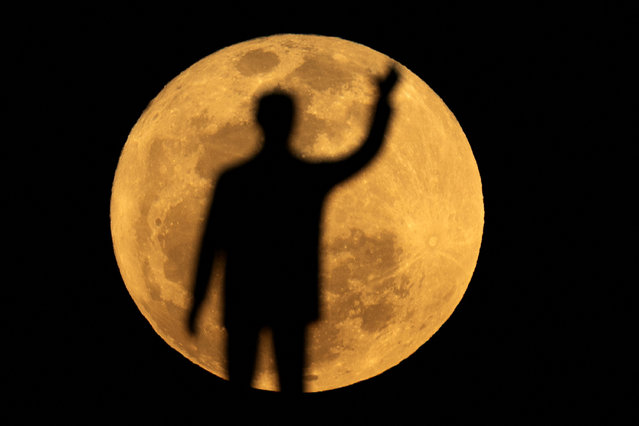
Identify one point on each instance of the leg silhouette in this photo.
(241, 354)
(289, 341)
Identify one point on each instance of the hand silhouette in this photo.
(387, 83)
(192, 322)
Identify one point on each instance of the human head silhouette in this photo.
(275, 112)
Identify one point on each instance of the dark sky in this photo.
(542, 334)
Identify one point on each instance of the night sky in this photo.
(544, 332)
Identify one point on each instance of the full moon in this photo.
(399, 242)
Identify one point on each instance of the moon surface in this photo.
(400, 240)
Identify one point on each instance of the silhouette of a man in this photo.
(265, 220)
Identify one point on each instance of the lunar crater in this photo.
(322, 72)
(377, 316)
(257, 61)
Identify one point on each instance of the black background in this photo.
(544, 332)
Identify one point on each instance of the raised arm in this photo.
(373, 142)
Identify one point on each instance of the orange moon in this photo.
(400, 240)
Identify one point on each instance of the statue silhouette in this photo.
(265, 221)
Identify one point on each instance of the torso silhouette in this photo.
(269, 216)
